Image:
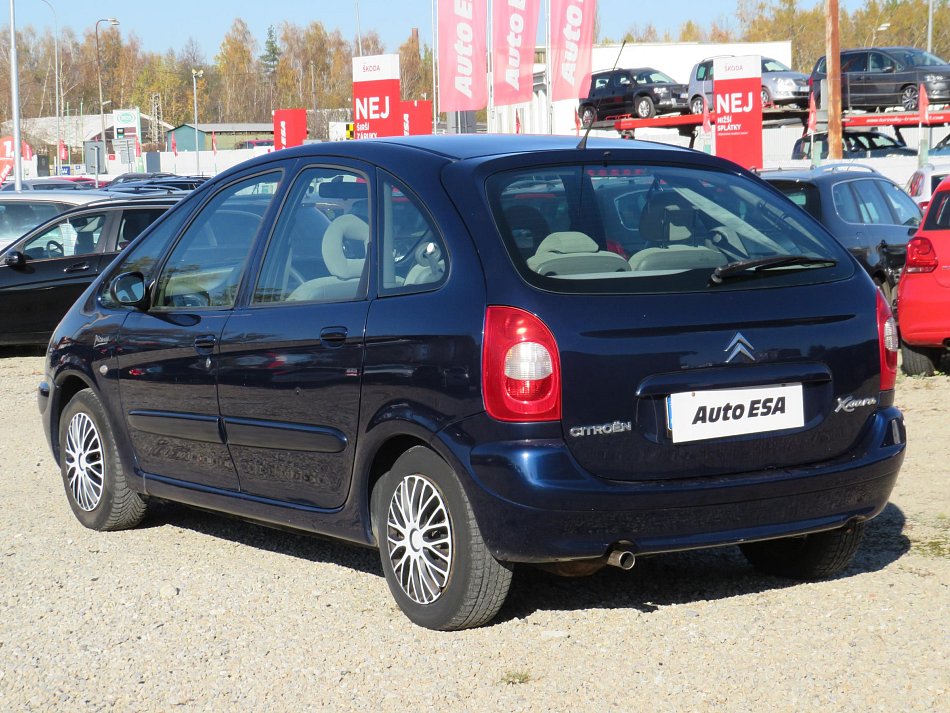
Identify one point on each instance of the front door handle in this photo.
(77, 267)
(333, 336)
(204, 344)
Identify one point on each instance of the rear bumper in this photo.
(534, 503)
(923, 309)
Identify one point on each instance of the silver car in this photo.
(780, 85)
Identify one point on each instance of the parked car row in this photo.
(871, 78)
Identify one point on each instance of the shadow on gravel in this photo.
(311, 548)
(657, 581)
(686, 577)
(28, 351)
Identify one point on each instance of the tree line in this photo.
(310, 66)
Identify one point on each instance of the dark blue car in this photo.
(479, 352)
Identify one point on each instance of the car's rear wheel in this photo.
(436, 563)
(910, 96)
(919, 361)
(644, 107)
(93, 476)
(696, 105)
(816, 556)
(588, 116)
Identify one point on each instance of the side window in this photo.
(845, 204)
(874, 209)
(204, 269)
(414, 257)
(903, 207)
(319, 248)
(76, 236)
(133, 222)
(857, 62)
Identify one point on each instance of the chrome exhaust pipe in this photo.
(624, 559)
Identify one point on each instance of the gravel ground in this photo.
(199, 612)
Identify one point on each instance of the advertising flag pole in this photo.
(435, 64)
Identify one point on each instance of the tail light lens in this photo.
(521, 369)
(921, 256)
(888, 343)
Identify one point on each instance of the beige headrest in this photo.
(567, 241)
(346, 227)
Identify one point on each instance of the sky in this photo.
(169, 24)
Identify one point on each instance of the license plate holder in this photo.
(721, 413)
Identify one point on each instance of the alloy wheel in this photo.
(85, 465)
(419, 536)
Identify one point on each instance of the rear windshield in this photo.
(938, 214)
(640, 229)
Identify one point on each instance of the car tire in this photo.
(819, 555)
(588, 116)
(766, 97)
(92, 471)
(465, 586)
(910, 96)
(696, 105)
(644, 107)
(919, 361)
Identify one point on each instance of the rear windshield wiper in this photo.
(767, 263)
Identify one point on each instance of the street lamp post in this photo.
(359, 35)
(195, 75)
(102, 116)
(59, 128)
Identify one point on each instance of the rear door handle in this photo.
(333, 336)
(205, 343)
(77, 267)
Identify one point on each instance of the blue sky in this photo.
(169, 23)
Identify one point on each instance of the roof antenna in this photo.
(582, 144)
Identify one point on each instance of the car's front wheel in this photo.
(910, 96)
(645, 108)
(919, 361)
(436, 563)
(819, 555)
(766, 97)
(95, 482)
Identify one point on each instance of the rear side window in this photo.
(633, 229)
(857, 62)
(938, 214)
(311, 257)
(846, 203)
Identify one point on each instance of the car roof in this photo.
(54, 196)
(826, 172)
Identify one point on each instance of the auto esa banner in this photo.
(572, 40)
(463, 55)
(514, 26)
(737, 99)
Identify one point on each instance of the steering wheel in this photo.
(54, 249)
(410, 254)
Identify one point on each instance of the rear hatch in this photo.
(704, 325)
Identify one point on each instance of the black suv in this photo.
(642, 92)
(868, 213)
(881, 77)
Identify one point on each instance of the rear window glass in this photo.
(938, 214)
(804, 195)
(636, 229)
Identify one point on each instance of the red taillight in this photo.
(921, 256)
(888, 342)
(521, 369)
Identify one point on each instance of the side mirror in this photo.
(14, 259)
(129, 290)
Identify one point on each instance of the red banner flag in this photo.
(923, 103)
(812, 114)
(572, 40)
(707, 124)
(463, 70)
(174, 145)
(214, 144)
(63, 151)
(514, 26)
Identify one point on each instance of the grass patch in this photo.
(515, 678)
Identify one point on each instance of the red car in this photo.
(923, 301)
